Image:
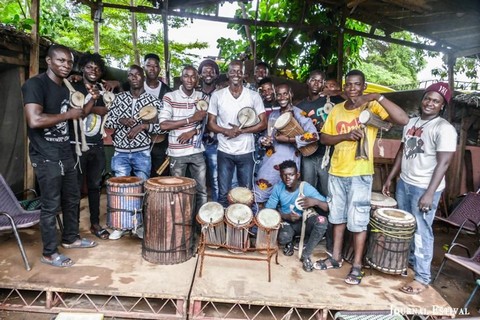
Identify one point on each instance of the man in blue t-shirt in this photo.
(292, 198)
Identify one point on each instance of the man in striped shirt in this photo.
(184, 121)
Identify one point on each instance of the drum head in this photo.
(202, 105)
(211, 212)
(124, 180)
(108, 97)
(283, 120)
(77, 99)
(327, 108)
(241, 195)
(380, 200)
(239, 214)
(268, 218)
(170, 183)
(247, 115)
(394, 215)
(147, 113)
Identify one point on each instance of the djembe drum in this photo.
(210, 216)
(169, 219)
(124, 202)
(390, 237)
(238, 218)
(377, 201)
(288, 126)
(268, 222)
(240, 195)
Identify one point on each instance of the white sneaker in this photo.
(140, 231)
(117, 234)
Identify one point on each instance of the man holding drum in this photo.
(350, 178)
(292, 197)
(131, 138)
(236, 143)
(181, 116)
(46, 102)
(428, 145)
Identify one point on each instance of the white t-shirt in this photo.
(422, 140)
(226, 107)
(153, 91)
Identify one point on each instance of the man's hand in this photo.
(128, 122)
(295, 217)
(307, 202)
(93, 90)
(110, 85)
(186, 136)
(355, 135)
(234, 132)
(75, 78)
(74, 113)
(199, 115)
(135, 130)
(266, 141)
(282, 138)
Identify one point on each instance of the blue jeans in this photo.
(123, 163)
(421, 252)
(59, 190)
(198, 168)
(212, 170)
(227, 163)
(313, 173)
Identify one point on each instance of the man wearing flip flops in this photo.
(428, 145)
(350, 174)
(46, 102)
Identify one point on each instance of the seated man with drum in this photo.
(236, 143)
(280, 147)
(428, 145)
(350, 174)
(182, 116)
(131, 137)
(294, 198)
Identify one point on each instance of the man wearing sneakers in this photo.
(292, 198)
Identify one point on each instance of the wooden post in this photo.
(165, 42)
(136, 55)
(451, 83)
(454, 173)
(33, 69)
(96, 37)
(340, 43)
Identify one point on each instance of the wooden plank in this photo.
(19, 61)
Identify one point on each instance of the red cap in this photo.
(442, 88)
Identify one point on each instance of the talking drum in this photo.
(390, 237)
(379, 201)
(368, 118)
(210, 216)
(169, 220)
(124, 202)
(240, 195)
(288, 126)
(238, 218)
(268, 222)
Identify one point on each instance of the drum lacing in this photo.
(134, 211)
(399, 234)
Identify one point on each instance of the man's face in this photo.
(92, 72)
(283, 95)
(332, 85)
(209, 75)
(354, 86)
(315, 84)
(135, 78)
(260, 73)
(432, 103)
(152, 69)
(61, 63)
(235, 74)
(267, 92)
(289, 176)
(189, 79)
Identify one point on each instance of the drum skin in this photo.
(240, 195)
(238, 218)
(124, 202)
(169, 220)
(211, 218)
(268, 222)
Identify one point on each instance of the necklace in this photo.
(423, 125)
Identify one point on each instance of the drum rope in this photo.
(405, 233)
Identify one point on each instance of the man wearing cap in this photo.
(156, 88)
(428, 145)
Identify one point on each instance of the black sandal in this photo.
(355, 276)
(100, 233)
(322, 264)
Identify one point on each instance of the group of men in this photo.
(216, 149)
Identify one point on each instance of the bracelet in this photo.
(188, 121)
(381, 98)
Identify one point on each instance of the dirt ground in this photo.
(455, 284)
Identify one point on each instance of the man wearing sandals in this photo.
(350, 174)
(428, 145)
(92, 162)
(285, 195)
(46, 102)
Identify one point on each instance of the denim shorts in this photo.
(349, 201)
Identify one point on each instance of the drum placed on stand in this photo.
(391, 233)
(169, 219)
(238, 218)
(124, 202)
(210, 216)
(268, 222)
(377, 201)
(240, 195)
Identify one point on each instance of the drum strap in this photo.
(306, 214)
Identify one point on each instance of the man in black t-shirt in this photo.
(46, 102)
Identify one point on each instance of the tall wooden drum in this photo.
(124, 202)
(169, 219)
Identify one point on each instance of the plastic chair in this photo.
(470, 263)
(14, 217)
(470, 298)
(466, 216)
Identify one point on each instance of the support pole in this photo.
(340, 43)
(136, 55)
(166, 50)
